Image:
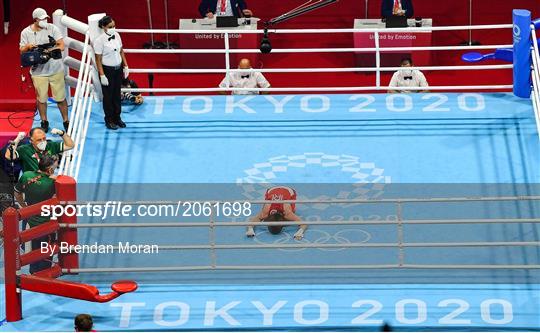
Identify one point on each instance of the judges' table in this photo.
(216, 41)
(392, 39)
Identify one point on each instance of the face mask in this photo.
(43, 24)
(111, 31)
(406, 72)
(42, 145)
(244, 73)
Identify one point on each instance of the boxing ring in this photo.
(423, 210)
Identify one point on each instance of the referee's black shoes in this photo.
(120, 123)
(111, 126)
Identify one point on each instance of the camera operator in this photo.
(35, 38)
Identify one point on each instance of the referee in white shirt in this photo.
(113, 68)
(245, 79)
(408, 77)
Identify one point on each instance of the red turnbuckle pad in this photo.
(74, 289)
(124, 286)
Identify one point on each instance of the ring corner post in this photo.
(521, 19)
(12, 265)
(66, 191)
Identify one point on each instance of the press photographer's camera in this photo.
(130, 97)
(41, 54)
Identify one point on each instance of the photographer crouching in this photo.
(131, 98)
(41, 47)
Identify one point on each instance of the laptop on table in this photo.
(226, 22)
(396, 22)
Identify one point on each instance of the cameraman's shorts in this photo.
(58, 87)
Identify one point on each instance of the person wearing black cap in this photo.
(113, 68)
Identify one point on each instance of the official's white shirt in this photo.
(254, 80)
(228, 9)
(413, 79)
(109, 48)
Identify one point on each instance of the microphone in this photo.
(266, 46)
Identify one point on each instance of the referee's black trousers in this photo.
(112, 93)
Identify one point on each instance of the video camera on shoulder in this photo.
(41, 54)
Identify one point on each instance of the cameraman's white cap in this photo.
(39, 13)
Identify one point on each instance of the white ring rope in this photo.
(535, 74)
(316, 245)
(316, 31)
(78, 100)
(290, 268)
(329, 201)
(319, 50)
(306, 89)
(181, 224)
(312, 70)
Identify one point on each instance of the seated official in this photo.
(408, 77)
(245, 80)
(397, 8)
(211, 8)
(129, 97)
